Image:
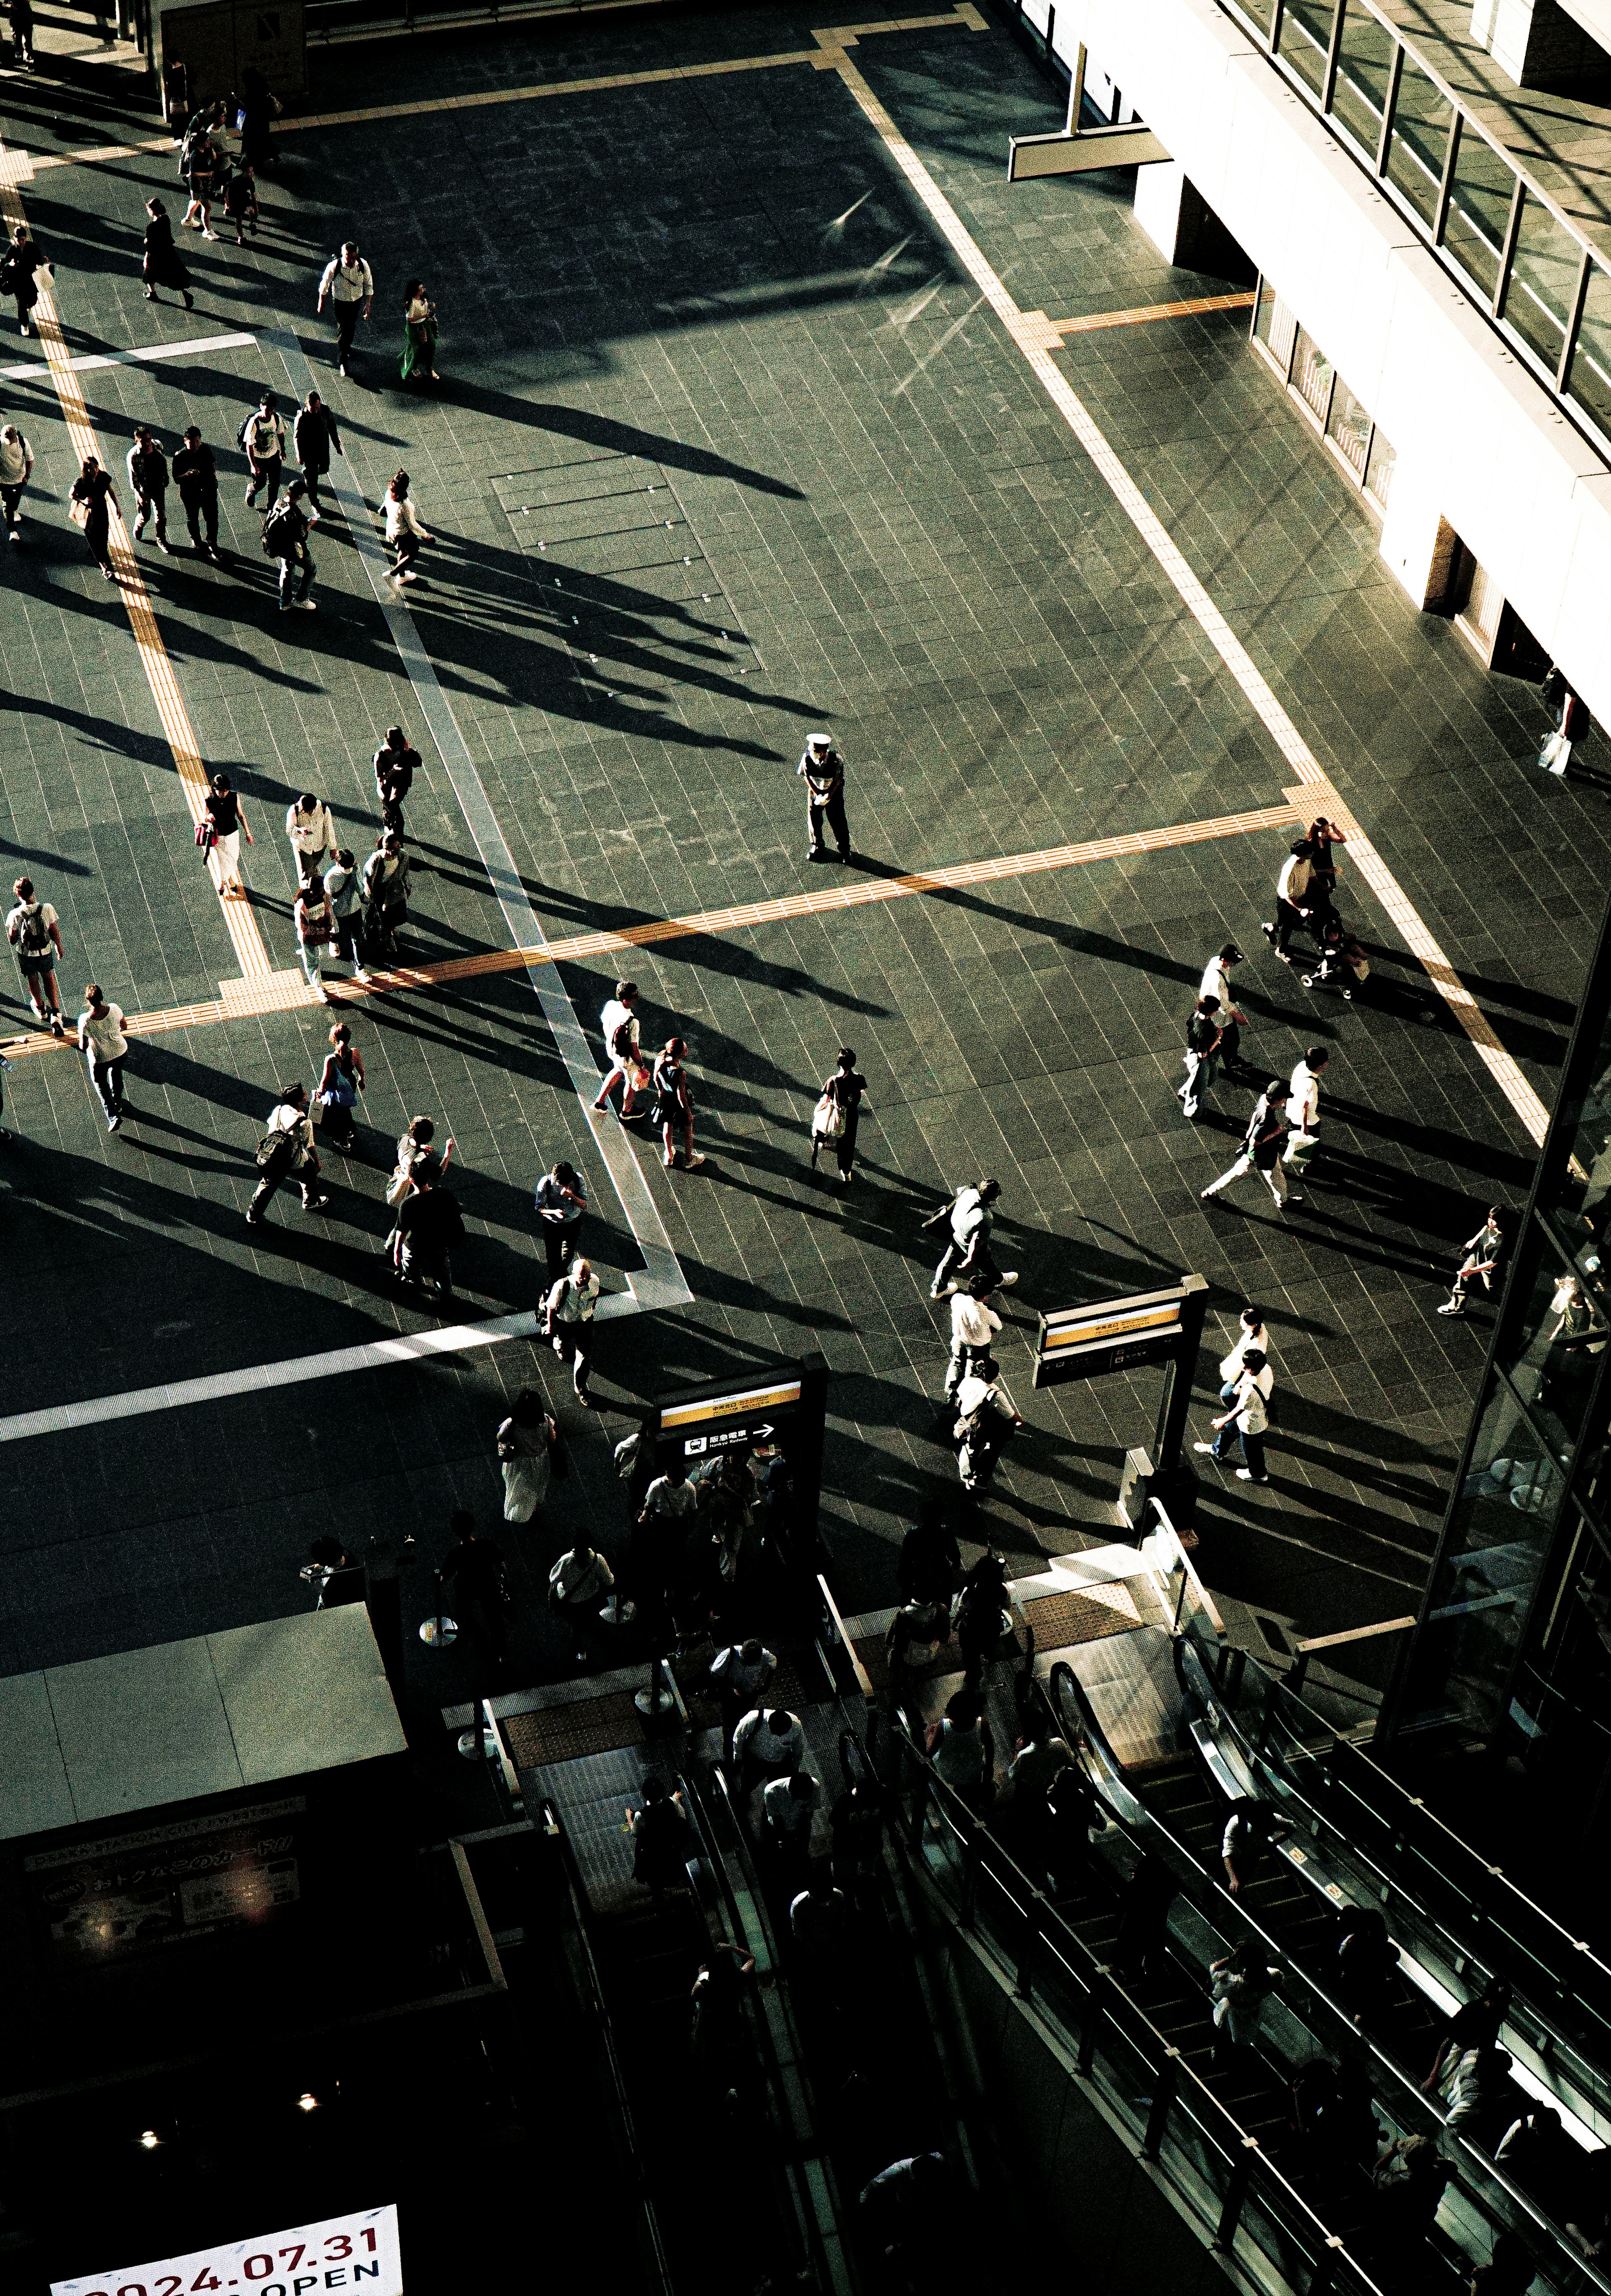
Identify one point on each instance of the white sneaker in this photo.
(1246, 1475)
(694, 1162)
(358, 972)
(1203, 1446)
(1010, 1276)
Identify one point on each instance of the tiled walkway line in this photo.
(1095, 321)
(39, 370)
(1036, 340)
(279, 991)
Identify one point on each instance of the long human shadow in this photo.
(1542, 1006)
(615, 438)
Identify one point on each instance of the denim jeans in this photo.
(289, 568)
(1253, 1449)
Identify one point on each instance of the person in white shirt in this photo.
(277, 1163)
(104, 1046)
(1292, 907)
(34, 930)
(768, 1744)
(348, 282)
(575, 1584)
(567, 1322)
(1250, 1333)
(1247, 1418)
(1304, 1098)
(310, 827)
(788, 1806)
(1216, 983)
(16, 469)
(971, 1324)
(619, 1021)
(404, 532)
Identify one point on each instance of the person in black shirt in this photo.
(841, 1103)
(1202, 1034)
(662, 1840)
(196, 476)
(396, 765)
(429, 1224)
(1475, 2025)
(314, 436)
(475, 1566)
(931, 1562)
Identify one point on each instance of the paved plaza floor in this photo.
(734, 439)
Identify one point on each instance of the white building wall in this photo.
(1478, 441)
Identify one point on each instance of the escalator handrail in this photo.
(1156, 2050)
(1409, 2105)
(554, 1825)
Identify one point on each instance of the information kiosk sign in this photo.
(777, 1411)
(1110, 1335)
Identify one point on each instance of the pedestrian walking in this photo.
(35, 931)
(618, 1019)
(1242, 1983)
(1484, 1250)
(837, 1114)
(1291, 898)
(414, 1144)
(262, 436)
(973, 1321)
(310, 827)
(229, 826)
(1262, 1149)
(674, 1106)
(419, 335)
(241, 197)
(396, 763)
(480, 1592)
(971, 1216)
(259, 107)
(105, 1047)
(1323, 872)
(286, 1151)
(770, 1743)
(526, 1442)
(1568, 714)
(340, 1081)
(316, 930)
(348, 283)
(822, 770)
(19, 267)
(21, 18)
(663, 1842)
(567, 1314)
(1202, 1043)
(1250, 1333)
(561, 1200)
(345, 889)
(429, 1225)
(196, 476)
(575, 1584)
(201, 164)
(386, 872)
(91, 503)
(1247, 1418)
(404, 532)
(16, 469)
(1216, 983)
(147, 468)
(986, 1417)
(286, 537)
(1304, 1107)
(315, 438)
(161, 265)
(743, 1673)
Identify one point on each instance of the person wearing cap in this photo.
(196, 476)
(1216, 983)
(263, 437)
(147, 468)
(822, 769)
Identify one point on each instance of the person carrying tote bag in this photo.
(837, 1113)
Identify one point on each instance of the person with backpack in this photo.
(316, 930)
(18, 268)
(16, 469)
(1202, 1034)
(973, 1321)
(34, 932)
(341, 1082)
(286, 537)
(105, 1047)
(315, 438)
(92, 500)
(286, 1151)
(837, 1114)
(396, 763)
(429, 1224)
(310, 825)
(971, 1216)
(674, 1106)
(386, 875)
(567, 1314)
(1261, 1150)
(147, 468)
(986, 1415)
(560, 1201)
(161, 265)
(196, 476)
(348, 282)
(619, 1021)
(262, 436)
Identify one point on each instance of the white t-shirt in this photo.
(663, 1497)
(1230, 1365)
(13, 926)
(101, 1035)
(1216, 983)
(348, 282)
(1303, 1103)
(310, 833)
(972, 1322)
(610, 1016)
(1293, 882)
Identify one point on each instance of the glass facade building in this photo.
(1513, 1647)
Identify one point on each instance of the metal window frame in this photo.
(1513, 232)
(1390, 104)
(1575, 320)
(1445, 190)
(1333, 47)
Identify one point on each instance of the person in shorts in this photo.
(35, 933)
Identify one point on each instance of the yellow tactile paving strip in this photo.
(1095, 321)
(282, 991)
(239, 920)
(1029, 330)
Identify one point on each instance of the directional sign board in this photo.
(1107, 1335)
(776, 1412)
(724, 1421)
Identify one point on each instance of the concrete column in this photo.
(1417, 542)
(1538, 44)
(1170, 210)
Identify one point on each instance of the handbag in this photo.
(1555, 754)
(828, 1118)
(207, 834)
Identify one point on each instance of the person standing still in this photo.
(674, 1106)
(262, 436)
(396, 765)
(822, 769)
(316, 930)
(618, 1019)
(837, 1114)
(348, 283)
(419, 335)
(315, 438)
(310, 825)
(345, 887)
(35, 931)
(147, 468)
(561, 1200)
(1291, 898)
(228, 826)
(386, 877)
(105, 1047)
(196, 476)
(16, 469)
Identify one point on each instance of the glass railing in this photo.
(1521, 261)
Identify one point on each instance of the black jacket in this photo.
(195, 474)
(313, 435)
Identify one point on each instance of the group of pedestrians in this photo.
(662, 1082)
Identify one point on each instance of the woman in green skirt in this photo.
(419, 347)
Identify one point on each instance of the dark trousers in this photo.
(266, 474)
(295, 573)
(574, 1344)
(305, 1176)
(200, 509)
(1289, 921)
(559, 1244)
(107, 1076)
(830, 809)
(433, 1268)
(346, 320)
(1253, 1449)
(10, 497)
(314, 474)
(405, 549)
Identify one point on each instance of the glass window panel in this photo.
(1305, 39)
(1554, 1352)
(1275, 327)
(1378, 471)
(1349, 428)
(1260, 12)
(1589, 378)
(1364, 63)
(1479, 209)
(1312, 373)
(1543, 281)
(1420, 138)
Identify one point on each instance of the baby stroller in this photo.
(1341, 960)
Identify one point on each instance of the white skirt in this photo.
(228, 850)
